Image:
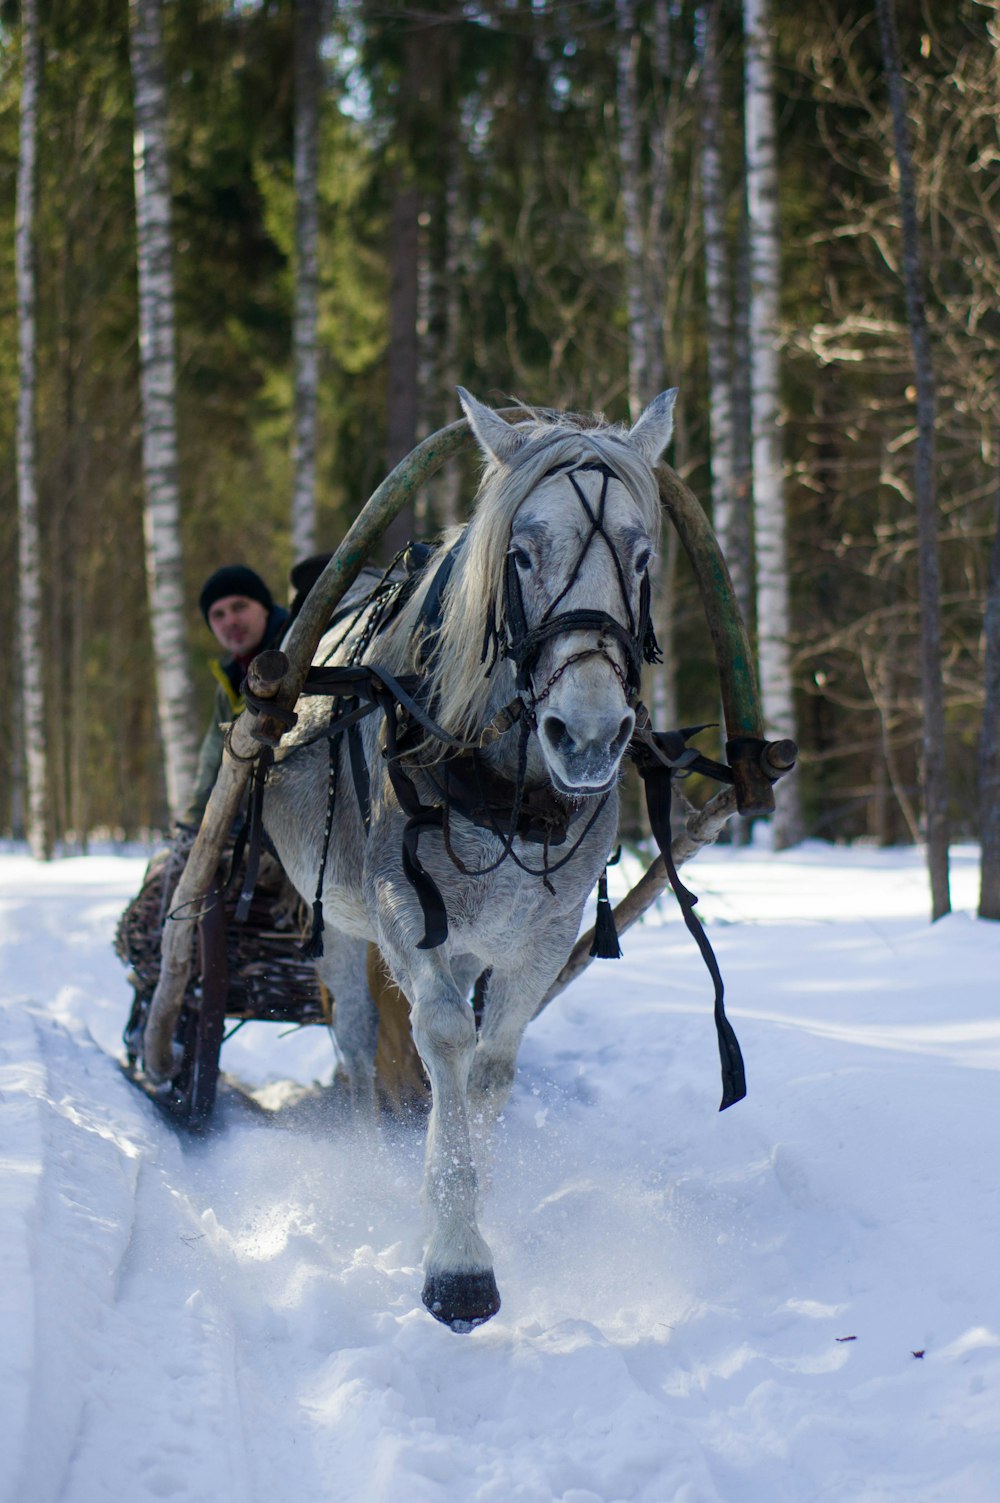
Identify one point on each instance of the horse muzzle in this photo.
(584, 756)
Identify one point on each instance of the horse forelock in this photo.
(474, 593)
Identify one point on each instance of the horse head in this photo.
(572, 606)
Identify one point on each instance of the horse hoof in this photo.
(462, 1300)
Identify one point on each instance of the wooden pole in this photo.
(702, 827)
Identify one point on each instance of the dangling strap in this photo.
(312, 949)
(250, 835)
(419, 817)
(359, 773)
(658, 791)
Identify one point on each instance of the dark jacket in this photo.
(228, 673)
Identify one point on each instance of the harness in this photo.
(464, 783)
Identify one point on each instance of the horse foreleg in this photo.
(512, 999)
(343, 969)
(459, 1286)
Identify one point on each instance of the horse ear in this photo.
(654, 427)
(497, 439)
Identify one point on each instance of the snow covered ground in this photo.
(795, 1300)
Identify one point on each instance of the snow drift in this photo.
(795, 1300)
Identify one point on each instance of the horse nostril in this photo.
(557, 734)
(624, 735)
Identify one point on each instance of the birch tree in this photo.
(451, 480)
(934, 771)
(644, 195)
(309, 15)
(773, 613)
(731, 513)
(29, 552)
(989, 742)
(639, 314)
(174, 689)
(739, 376)
(729, 508)
(403, 352)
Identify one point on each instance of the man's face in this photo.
(238, 624)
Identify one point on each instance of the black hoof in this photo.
(462, 1300)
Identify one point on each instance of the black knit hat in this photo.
(234, 579)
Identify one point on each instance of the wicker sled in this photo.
(241, 972)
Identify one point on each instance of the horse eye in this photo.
(521, 559)
(642, 560)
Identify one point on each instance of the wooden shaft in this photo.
(701, 828)
(179, 931)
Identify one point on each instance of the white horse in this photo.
(535, 625)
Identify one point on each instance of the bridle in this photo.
(522, 644)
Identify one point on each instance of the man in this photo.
(243, 618)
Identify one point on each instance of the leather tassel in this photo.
(313, 947)
(605, 945)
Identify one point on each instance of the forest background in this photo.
(512, 196)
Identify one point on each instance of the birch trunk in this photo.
(934, 771)
(29, 551)
(451, 477)
(305, 334)
(989, 743)
(657, 268)
(435, 366)
(174, 690)
(773, 616)
(643, 206)
(742, 563)
(989, 736)
(717, 294)
(403, 355)
(630, 158)
(730, 502)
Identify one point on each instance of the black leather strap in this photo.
(657, 780)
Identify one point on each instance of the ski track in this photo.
(227, 1319)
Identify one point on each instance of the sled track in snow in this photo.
(128, 1346)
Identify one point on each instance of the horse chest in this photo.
(510, 905)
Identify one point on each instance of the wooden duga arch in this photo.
(278, 679)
